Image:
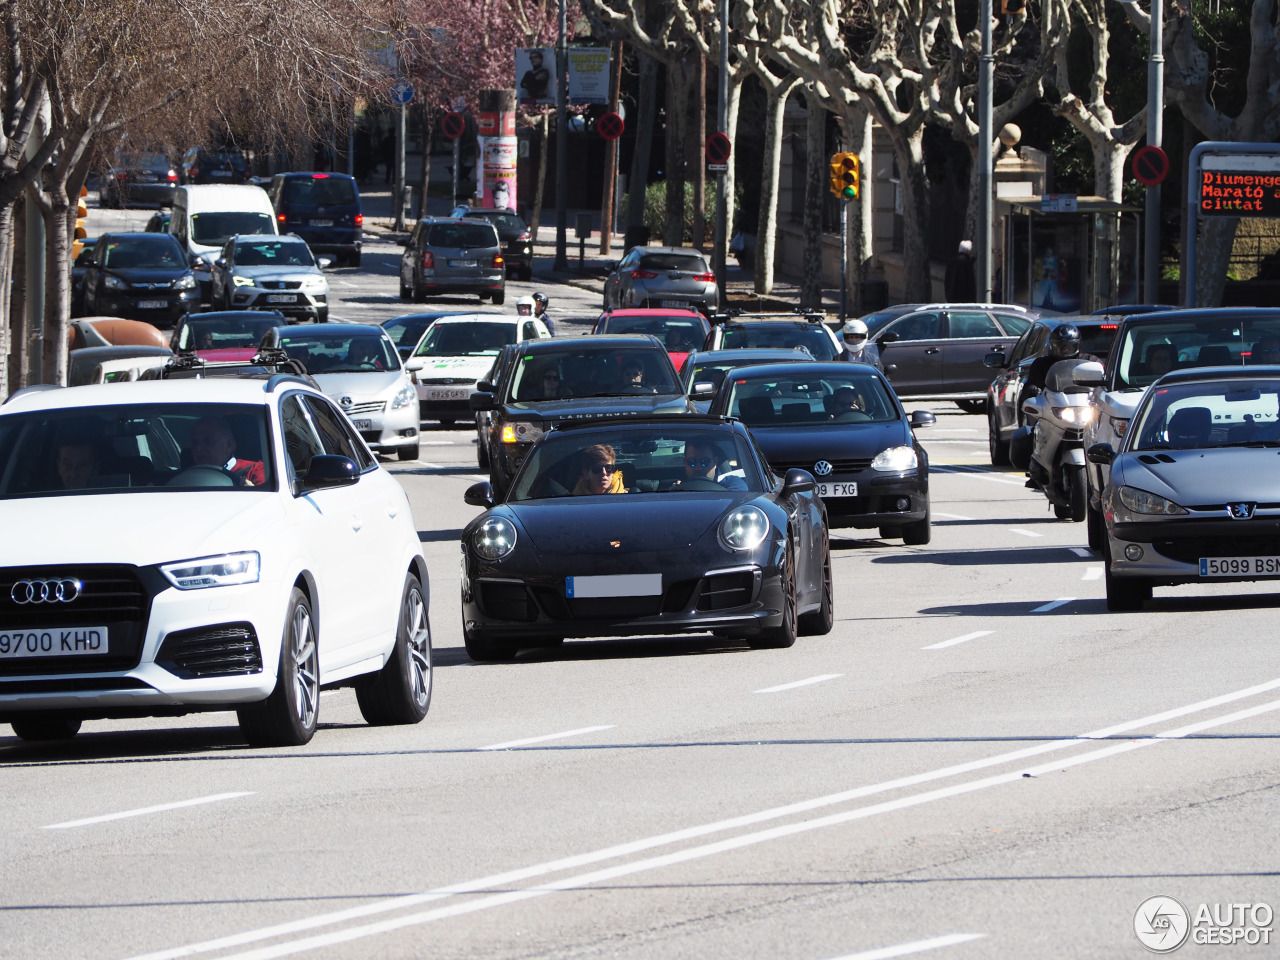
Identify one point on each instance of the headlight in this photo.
(187, 282)
(1077, 415)
(517, 432)
(315, 283)
(224, 571)
(494, 539)
(114, 283)
(242, 281)
(895, 460)
(1140, 501)
(404, 396)
(744, 528)
(1119, 425)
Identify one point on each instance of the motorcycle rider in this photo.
(1064, 344)
(540, 311)
(857, 347)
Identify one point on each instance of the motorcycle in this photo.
(1057, 418)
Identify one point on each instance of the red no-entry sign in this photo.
(452, 124)
(1150, 165)
(610, 126)
(718, 148)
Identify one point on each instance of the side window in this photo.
(971, 324)
(1014, 326)
(336, 434)
(918, 326)
(529, 331)
(300, 440)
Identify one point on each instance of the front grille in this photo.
(505, 601)
(371, 436)
(281, 284)
(1191, 549)
(447, 381)
(614, 608)
(376, 406)
(151, 286)
(722, 591)
(72, 685)
(837, 466)
(223, 650)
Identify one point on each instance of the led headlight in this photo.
(242, 281)
(186, 282)
(1077, 415)
(224, 571)
(315, 283)
(517, 432)
(404, 396)
(1140, 501)
(494, 539)
(1119, 425)
(114, 283)
(895, 460)
(744, 528)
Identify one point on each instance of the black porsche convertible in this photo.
(644, 527)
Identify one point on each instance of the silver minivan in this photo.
(446, 255)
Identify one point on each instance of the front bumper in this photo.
(383, 429)
(1172, 549)
(432, 283)
(448, 399)
(292, 303)
(883, 499)
(157, 193)
(169, 306)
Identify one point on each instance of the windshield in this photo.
(223, 332)
(782, 336)
(1149, 349)
(795, 399)
(1222, 413)
(342, 353)
(334, 191)
(673, 261)
(214, 228)
(503, 221)
(678, 334)
(679, 459)
(470, 338)
(266, 253)
(462, 235)
(157, 252)
(119, 449)
(582, 372)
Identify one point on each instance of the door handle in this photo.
(357, 524)
(393, 511)
(931, 350)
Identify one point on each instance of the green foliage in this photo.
(655, 210)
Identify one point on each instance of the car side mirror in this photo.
(220, 263)
(611, 265)
(703, 390)
(1101, 453)
(996, 360)
(482, 401)
(87, 262)
(922, 418)
(1089, 374)
(479, 495)
(414, 364)
(887, 338)
(330, 470)
(890, 368)
(324, 263)
(486, 386)
(797, 481)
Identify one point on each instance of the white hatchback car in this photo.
(185, 545)
(456, 352)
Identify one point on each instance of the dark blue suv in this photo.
(323, 209)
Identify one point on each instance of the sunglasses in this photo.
(695, 462)
(606, 467)
(551, 376)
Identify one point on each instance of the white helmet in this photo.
(854, 328)
(524, 306)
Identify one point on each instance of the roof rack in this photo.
(737, 314)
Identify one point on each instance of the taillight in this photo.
(173, 176)
(497, 259)
(642, 274)
(122, 175)
(359, 219)
(195, 171)
(320, 176)
(280, 217)
(428, 260)
(705, 277)
(525, 236)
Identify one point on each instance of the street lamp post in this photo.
(722, 124)
(562, 143)
(985, 238)
(1155, 134)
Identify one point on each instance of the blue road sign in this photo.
(401, 92)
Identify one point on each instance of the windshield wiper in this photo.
(1252, 443)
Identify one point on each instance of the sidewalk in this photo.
(589, 273)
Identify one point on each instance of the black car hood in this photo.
(148, 274)
(857, 441)
(588, 408)
(590, 525)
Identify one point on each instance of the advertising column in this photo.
(496, 173)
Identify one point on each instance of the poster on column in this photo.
(498, 187)
(535, 71)
(589, 75)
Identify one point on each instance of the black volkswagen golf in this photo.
(645, 526)
(139, 276)
(842, 422)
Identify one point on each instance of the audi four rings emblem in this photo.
(45, 591)
(822, 468)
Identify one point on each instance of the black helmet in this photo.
(540, 297)
(1064, 342)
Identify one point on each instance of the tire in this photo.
(999, 448)
(400, 693)
(526, 274)
(322, 316)
(288, 717)
(819, 622)
(1096, 528)
(1126, 594)
(447, 421)
(409, 453)
(500, 298)
(1062, 511)
(39, 727)
(972, 406)
(482, 456)
(783, 635)
(354, 259)
(888, 533)
(919, 533)
(1078, 493)
(484, 651)
(406, 292)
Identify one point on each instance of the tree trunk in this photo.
(1213, 256)
(59, 226)
(695, 154)
(677, 131)
(815, 191)
(19, 371)
(646, 102)
(767, 226)
(731, 131)
(917, 279)
(6, 280)
(539, 188)
(858, 134)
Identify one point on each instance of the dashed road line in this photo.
(545, 737)
(800, 683)
(955, 640)
(145, 811)
(1052, 605)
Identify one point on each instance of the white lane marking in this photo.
(1082, 552)
(1025, 533)
(918, 946)
(1093, 573)
(354, 306)
(800, 683)
(144, 811)
(967, 471)
(689, 833)
(733, 843)
(545, 737)
(1052, 605)
(951, 516)
(965, 639)
(437, 443)
(344, 283)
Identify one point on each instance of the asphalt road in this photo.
(978, 761)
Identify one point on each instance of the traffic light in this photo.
(82, 212)
(845, 182)
(1013, 6)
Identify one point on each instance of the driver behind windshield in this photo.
(213, 445)
(702, 462)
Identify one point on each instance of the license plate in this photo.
(69, 642)
(282, 298)
(618, 585)
(322, 223)
(220, 173)
(1240, 566)
(837, 489)
(152, 304)
(464, 263)
(675, 304)
(444, 393)
(363, 424)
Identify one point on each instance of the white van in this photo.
(206, 216)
